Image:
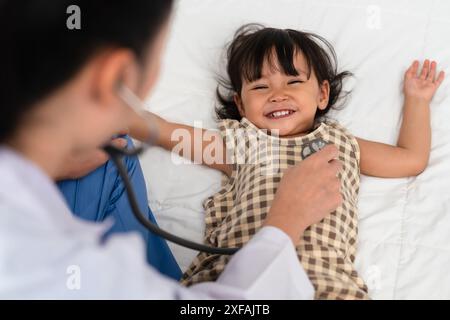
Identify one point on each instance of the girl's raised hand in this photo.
(422, 85)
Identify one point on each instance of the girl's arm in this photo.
(410, 156)
(198, 145)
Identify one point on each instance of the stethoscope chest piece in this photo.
(313, 146)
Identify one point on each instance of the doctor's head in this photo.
(62, 65)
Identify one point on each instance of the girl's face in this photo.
(283, 102)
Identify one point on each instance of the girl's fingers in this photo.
(412, 71)
(119, 142)
(425, 69)
(432, 73)
(440, 78)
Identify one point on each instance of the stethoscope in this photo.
(117, 154)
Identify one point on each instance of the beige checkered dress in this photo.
(237, 211)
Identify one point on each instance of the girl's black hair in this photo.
(39, 53)
(253, 44)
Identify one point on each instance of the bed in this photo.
(404, 231)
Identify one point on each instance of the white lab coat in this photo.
(46, 252)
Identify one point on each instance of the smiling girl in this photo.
(281, 84)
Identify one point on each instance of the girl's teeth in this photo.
(280, 114)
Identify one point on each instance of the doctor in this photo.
(59, 101)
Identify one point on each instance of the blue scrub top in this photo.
(101, 194)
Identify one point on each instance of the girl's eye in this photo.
(259, 87)
(295, 81)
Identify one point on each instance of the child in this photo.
(281, 84)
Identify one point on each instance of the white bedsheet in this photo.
(404, 234)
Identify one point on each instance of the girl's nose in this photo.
(279, 97)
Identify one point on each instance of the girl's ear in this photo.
(238, 102)
(324, 95)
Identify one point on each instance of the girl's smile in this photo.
(280, 112)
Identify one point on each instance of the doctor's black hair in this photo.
(253, 43)
(39, 53)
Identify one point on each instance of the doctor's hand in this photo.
(307, 193)
(78, 166)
